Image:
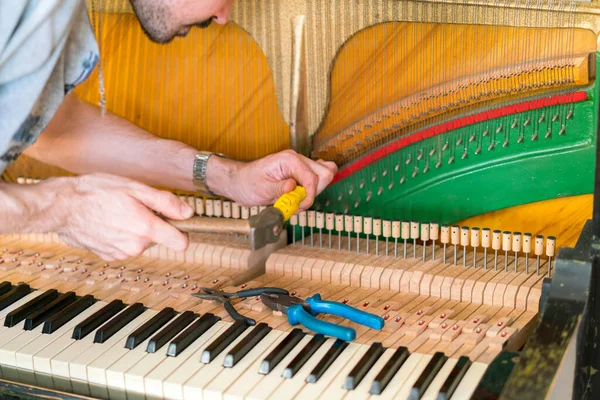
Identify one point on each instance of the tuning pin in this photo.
(358, 225)
(434, 233)
(368, 229)
(539, 250)
(339, 227)
(199, 206)
(550, 248)
(414, 235)
(506, 248)
(293, 224)
(226, 209)
(527, 249)
(387, 232)
(210, 207)
(348, 223)
(311, 221)
(218, 208)
(396, 236)
(320, 224)
(464, 242)
(485, 242)
(455, 238)
(377, 232)
(516, 248)
(475, 244)
(424, 238)
(445, 239)
(301, 222)
(329, 225)
(405, 234)
(496, 245)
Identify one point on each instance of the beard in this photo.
(157, 23)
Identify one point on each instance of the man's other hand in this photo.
(263, 181)
(112, 216)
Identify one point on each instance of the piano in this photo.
(465, 210)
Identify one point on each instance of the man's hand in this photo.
(263, 181)
(111, 216)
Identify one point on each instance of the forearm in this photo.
(32, 208)
(80, 140)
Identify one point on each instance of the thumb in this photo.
(283, 187)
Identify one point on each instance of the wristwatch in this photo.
(199, 172)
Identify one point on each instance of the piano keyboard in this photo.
(109, 350)
(131, 330)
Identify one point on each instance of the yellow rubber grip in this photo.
(288, 203)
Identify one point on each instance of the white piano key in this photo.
(412, 378)
(153, 382)
(96, 370)
(26, 353)
(469, 382)
(314, 390)
(288, 389)
(78, 365)
(268, 384)
(174, 384)
(362, 390)
(115, 374)
(134, 376)
(8, 351)
(217, 387)
(435, 386)
(250, 377)
(400, 378)
(336, 390)
(4, 337)
(193, 388)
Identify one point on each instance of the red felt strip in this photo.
(407, 140)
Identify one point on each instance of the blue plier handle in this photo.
(304, 312)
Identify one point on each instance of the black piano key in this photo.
(224, 340)
(246, 344)
(282, 349)
(56, 321)
(193, 332)
(19, 314)
(332, 354)
(162, 337)
(14, 295)
(152, 325)
(460, 369)
(389, 370)
(117, 323)
(36, 318)
(87, 326)
(431, 370)
(5, 287)
(301, 358)
(364, 365)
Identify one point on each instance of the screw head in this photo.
(455, 327)
(386, 307)
(443, 315)
(419, 312)
(503, 334)
(421, 322)
(398, 318)
(499, 323)
(444, 325)
(478, 330)
(476, 320)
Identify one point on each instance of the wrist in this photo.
(220, 175)
(38, 208)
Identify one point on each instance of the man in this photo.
(47, 48)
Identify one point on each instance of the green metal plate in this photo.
(504, 162)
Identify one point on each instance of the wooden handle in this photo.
(211, 225)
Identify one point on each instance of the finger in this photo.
(165, 203)
(283, 187)
(324, 170)
(161, 232)
(305, 176)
